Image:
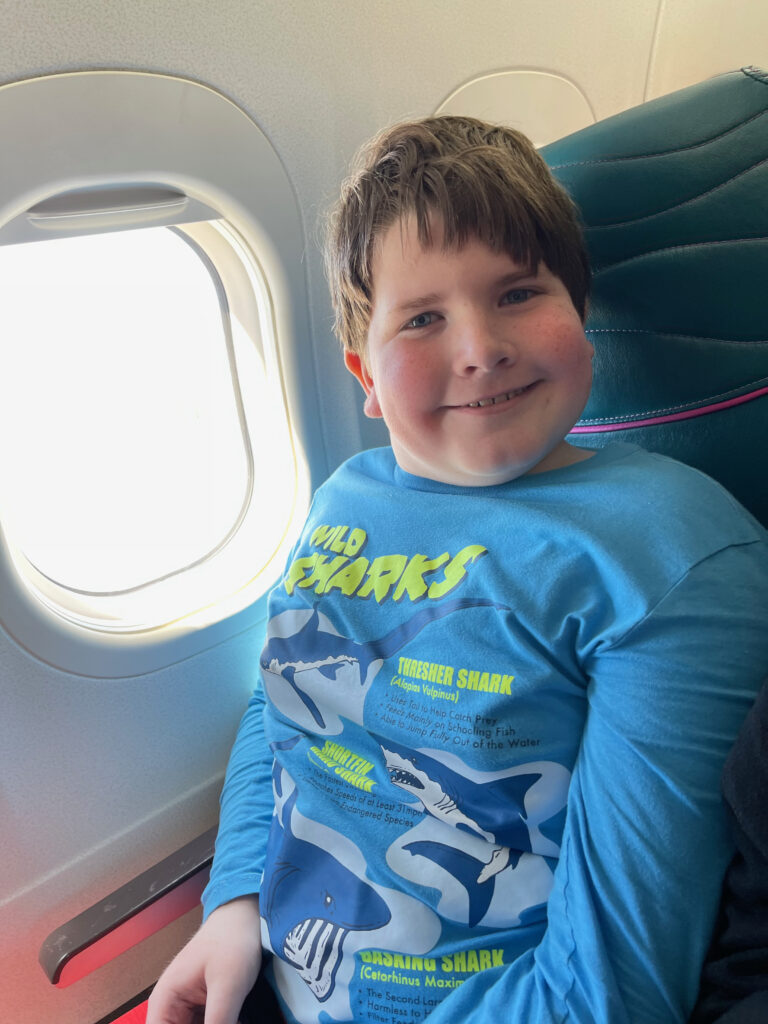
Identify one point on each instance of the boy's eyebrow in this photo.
(419, 302)
(434, 298)
(515, 276)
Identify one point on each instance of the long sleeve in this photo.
(246, 812)
(645, 843)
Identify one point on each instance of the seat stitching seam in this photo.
(661, 152)
(677, 206)
(672, 408)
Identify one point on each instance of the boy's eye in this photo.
(516, 295)
(422, 320)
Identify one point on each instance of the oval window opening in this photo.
(120, 409)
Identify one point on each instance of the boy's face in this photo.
(478, 367)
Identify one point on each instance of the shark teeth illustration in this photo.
(400, 777)
(314, 947)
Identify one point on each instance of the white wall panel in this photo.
(697, 39)
(90, 797)
(542, 105)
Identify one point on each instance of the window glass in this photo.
(125, 455)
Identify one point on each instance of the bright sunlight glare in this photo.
(123, 457)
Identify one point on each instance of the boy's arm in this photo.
(246, 812)
(645, 843)
(219, 965)
(216, 969)
(247, 805)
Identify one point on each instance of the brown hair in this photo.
(483, 181)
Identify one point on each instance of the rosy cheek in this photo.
(572, 348)
(411, 365)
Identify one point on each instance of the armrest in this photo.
(133, 912)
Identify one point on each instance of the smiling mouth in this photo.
(498, 399)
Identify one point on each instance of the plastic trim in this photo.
(129, 915)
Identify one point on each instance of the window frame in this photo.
(71, 130)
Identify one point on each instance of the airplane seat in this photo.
(674, 200)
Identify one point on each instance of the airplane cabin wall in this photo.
(101, 777)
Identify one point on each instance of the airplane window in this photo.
(133, 377)
(158, 400)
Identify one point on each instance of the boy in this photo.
(500, 678)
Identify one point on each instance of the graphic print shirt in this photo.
(448, 674)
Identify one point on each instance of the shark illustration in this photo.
(494, 810)
(466, 869)
(310, 902)
(310, 657)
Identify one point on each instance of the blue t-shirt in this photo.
(495, 720)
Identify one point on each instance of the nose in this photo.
(482, 346)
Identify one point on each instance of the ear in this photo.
(356, 366)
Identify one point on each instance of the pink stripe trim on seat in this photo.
(688, 414)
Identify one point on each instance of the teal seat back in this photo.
(674, 199)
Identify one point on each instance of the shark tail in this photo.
(464, 869)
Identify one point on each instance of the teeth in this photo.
(495, 401)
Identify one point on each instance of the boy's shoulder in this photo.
(622, 515)
(659, 499)
(637, 490)
(667, 484)
(619, 464)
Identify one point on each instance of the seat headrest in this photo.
(674, 199)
